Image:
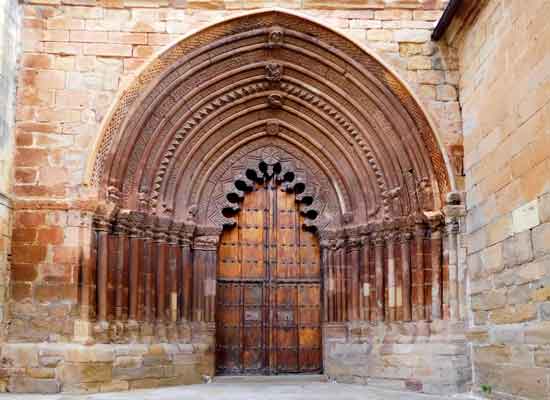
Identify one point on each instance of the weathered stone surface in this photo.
(74, 373)
(514, 314)
(23, 384)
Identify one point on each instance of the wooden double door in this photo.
(268, 314)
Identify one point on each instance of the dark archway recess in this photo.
(266, 94)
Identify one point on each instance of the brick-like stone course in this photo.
(74, 368)
(428, 357)
(10, 21)
(505, 100)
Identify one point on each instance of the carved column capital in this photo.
(452, 226)
(406, 236)
(102, 224)
(354, 243)
(206, 243)
(391, 236)
(379, 239)
(161, 230)
(136, 224)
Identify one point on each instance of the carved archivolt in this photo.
(233, 84)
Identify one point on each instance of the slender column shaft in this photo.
(325, 260)
(204, 267)
(121, 230)
(419, 280)
(340, 254)
(365, 280)
(173, 263)
(89, 264)
(379, 276)
(135, 261)
(102, 269)
(332, 284)
(406, 274)
(160, 243)
(436, 273)
(452, 230)
(391, 306)
(148, 274)
(187, 278)
(354, 266)
(337, 288)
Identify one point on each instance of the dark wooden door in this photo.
(269, 289)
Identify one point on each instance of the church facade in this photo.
(196, 188)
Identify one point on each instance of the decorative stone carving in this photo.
(275, 38)
(206, 243)
(273, 72)
(272, 128)
(275, 100)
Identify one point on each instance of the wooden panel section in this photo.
(269, 289)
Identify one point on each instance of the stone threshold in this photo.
(282, 379)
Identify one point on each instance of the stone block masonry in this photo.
(10, 22)
(505, 99)
(428, 357)
(74, 368)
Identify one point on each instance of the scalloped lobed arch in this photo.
(207, 108)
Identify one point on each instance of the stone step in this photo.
(290, 379)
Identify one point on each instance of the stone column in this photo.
(391, 305)
(406, 238)
(148, 254)
(379, 275)
(354, 252)
(435, 250)
(118, 268)
(325, 265)
(186, 279)
(418, 275)
(332, 281)
(102, 227)
(89, 265)
(135, 262)
(205, 260)
(160, 242)
(452, 232)
(173, 275)
(340, 255)
(365, 279)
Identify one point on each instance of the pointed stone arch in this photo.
(352, 109)
(194, 130)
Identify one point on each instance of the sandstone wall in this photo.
(76, 368)
(428, 357)
(505, 98)
(9, 30)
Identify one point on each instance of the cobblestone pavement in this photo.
(277, 388)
